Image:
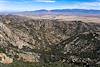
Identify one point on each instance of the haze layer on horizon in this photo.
(31, 5)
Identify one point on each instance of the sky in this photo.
(31, 5)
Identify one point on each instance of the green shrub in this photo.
(26, 64)
(2, 50)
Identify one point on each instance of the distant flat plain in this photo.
(86, 19)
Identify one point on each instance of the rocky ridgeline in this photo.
(44, 40)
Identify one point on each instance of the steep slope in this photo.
(45, 40)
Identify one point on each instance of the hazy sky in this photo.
(29, 5)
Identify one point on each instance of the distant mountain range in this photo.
(59, 12)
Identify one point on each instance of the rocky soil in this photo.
(49, 40)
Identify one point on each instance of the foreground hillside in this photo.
(48, 41)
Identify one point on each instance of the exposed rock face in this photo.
(44, 40)
(28, 57)
(4, 59)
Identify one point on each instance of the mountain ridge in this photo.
(84, 12)
(48, 41)
(65, 12)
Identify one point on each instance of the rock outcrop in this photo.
(4, 59)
